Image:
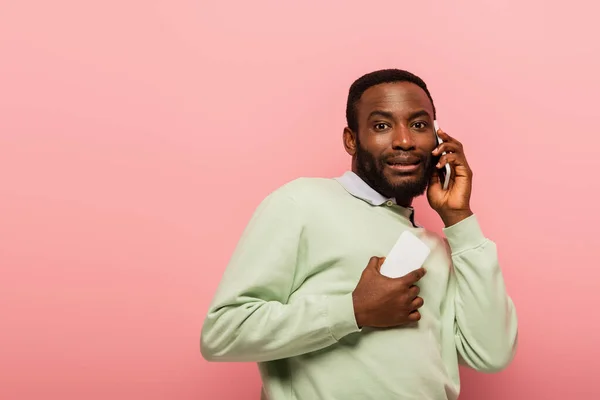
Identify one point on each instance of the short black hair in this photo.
(375, 78)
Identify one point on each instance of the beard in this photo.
(371, 169)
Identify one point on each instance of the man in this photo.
(303, 296)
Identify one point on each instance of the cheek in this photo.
(427, 144)
(380, 143)
(374, 144)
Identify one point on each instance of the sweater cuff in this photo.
(340, 313)
(465, 235)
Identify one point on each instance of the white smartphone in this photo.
(444, 175)
(409, 253)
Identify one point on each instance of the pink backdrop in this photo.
(137, 137)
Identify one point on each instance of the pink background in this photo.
(137, 137)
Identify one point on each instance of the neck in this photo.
(404, 202)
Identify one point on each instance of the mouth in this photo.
(404, 164)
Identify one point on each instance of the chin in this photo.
(401, 180)
(408, 185)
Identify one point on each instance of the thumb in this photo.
(375, 263)
(434, 178)
(380, 261)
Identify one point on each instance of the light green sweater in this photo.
(285, 302)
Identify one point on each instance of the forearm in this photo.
(258, 331)
(252, 317)
(485, 316)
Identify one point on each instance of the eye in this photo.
(381, 126)
(420, 125)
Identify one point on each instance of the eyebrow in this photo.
(390, 115)
(381, 113)
(419, 113)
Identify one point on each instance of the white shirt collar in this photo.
(360, 189)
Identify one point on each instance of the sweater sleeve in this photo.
(485, 322)
(250, 318)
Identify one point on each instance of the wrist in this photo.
(454, 217)
(357, 311)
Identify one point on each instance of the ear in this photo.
(350, 141)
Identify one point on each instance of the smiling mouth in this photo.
(404, 165)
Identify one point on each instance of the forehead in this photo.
(399, 98)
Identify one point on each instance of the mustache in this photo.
(406, 157)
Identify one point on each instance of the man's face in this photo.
(392, 148)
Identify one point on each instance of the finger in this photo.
(459, 165)
(434, 180)
(413, 292)
(417, 303)
(448, 147)
(413, 277)
(373, 263)
(414, 316)
(447, 138)
(455, 159)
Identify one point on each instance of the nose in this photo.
(403, 139)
